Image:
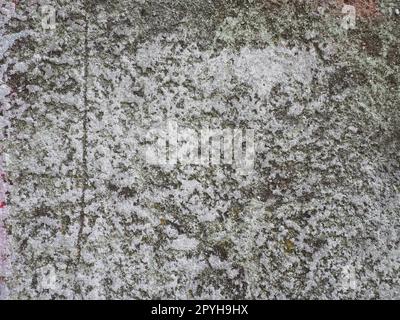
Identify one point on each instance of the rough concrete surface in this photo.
(84, 214)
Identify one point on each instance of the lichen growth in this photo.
(322, 202)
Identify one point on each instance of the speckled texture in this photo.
(87, 217)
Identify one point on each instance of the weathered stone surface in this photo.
(87, 216)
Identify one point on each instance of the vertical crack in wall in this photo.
(4, 263)
(7, 41)
(85, 135)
